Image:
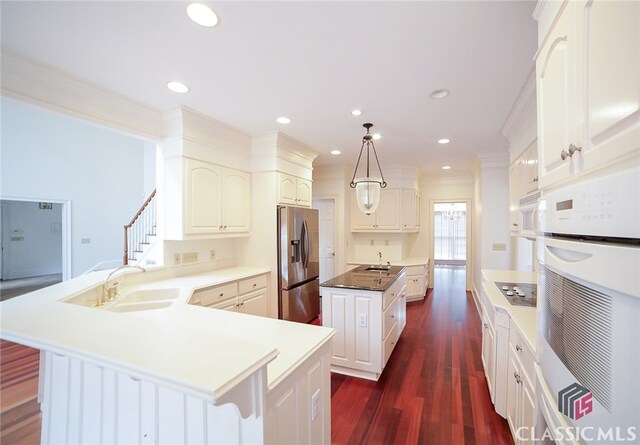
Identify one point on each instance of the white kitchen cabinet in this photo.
(523, 181)
(488, 351)
(587, 88)
(216, 199)
(293, 190)
(410, 210)
(387, 218)
(521, 399)
(368, 325)
(417, 282)
(247, 296)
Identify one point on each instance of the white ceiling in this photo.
(311, 61)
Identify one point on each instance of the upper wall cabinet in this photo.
(523, 181)
(398, 211)
(293, 190)
(217, 200)
(587, 73)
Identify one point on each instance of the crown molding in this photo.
(523, 111)
(279, 152)
(34, 82)
(492, 160)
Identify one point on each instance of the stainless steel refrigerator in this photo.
(298, 265)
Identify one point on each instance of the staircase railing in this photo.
(138, 231)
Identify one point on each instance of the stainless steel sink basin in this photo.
(379, 268)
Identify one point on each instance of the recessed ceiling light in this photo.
(376, 136)
(283, 120)
(443, 141)
(177, 87)
(202, 15)
(356, 112)
(335, 152)
(439, 94)
(446, 167)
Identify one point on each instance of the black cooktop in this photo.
(519, 294)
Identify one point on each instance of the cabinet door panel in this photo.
(512, 391)
(254, 303)
(339, 316)
(303, 192)
(287, 189)
(236, 201)
(613, 89)
(557, 95)
(203, 197)
(388, 213)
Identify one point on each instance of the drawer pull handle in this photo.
(518, 348)
(393, 316)
(485, 325)
(255, 284)
(221, 294)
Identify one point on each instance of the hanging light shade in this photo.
(368, 187)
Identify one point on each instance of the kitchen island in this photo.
(367, 308)
(178, 373)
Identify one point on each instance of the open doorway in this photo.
(326, 237)
(450, 241)
(33, 234)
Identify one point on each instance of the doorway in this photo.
(450, 240)
(34, 234)
(327, 237)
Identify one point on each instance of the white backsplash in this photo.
(367, 245)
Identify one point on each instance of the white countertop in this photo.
(408, 261)
(199, 350)
(524, 317)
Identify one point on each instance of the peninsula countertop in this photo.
(160, 344)
(363, 279)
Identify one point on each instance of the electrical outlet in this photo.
(176, 259)
(190, 257)
(371, 242)
(362, 320)
(499, 246)
(386, 242)
(212, 254)
(315, 405)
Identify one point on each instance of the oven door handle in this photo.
(570, 256)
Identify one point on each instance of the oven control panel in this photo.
(607, 206)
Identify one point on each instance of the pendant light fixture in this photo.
(368, 188)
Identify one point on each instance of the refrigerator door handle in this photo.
(306, 244)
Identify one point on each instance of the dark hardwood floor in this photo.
(433, 389)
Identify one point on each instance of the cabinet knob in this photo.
(535, 179)
(518, 348)
(485, 325)
(255, 284)
(517, 377)
(393, 316)
(220, 227)
(224, 227)
(573, 148)
(564, 154)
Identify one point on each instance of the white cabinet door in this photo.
(287, 189)
(388, 213)
(359, 220)
(254, 303)
(488, 353)
(203, 197)
(513, 387)
(293, 190)
(557, 91)
(409, 210)
(236, 201)
(303, 192)
(612, 48)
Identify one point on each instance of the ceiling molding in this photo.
(493, 160)
(28, 80)
(276, 151)
(523, 109)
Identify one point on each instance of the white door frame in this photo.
(468, 267)
(336, 245)
(66, 228)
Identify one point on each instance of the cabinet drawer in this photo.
(389, 344)
(251, 284)
(414, 270)
(390, 295)
(216, 294)
(522, 350)
(389, 318)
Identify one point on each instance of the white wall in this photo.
(49, 156)
(32, 239)
(491, 191)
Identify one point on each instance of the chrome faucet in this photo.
(111, 293)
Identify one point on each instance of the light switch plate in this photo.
(499, 246)
(212, 254)
(362, 320)
(190, 257)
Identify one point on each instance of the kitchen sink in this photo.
(120, 306)
(146, 295)
(379, 268)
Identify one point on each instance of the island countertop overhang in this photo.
(370, 280)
